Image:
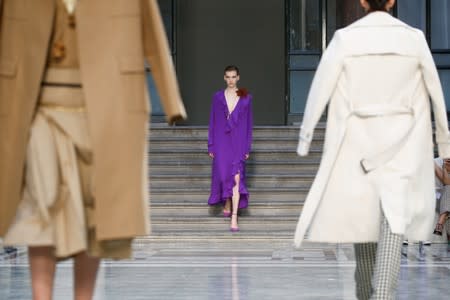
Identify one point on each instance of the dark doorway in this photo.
(250, 34)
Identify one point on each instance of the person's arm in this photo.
(156, 50)
(434, 88)
(249, 127)
(445, 176)
(211, 129)
(322, 88)
(438, 172)
(441, 174)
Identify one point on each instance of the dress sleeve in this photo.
(249, 126)
(211, 127)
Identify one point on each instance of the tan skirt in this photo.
(58, 206)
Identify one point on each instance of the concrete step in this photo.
(256, 167)
(258, 131)
(192, 195)
(188, 155)
(212, 225)
(202, 210)
(189, 220)
(201, 144)
(202, 202)
(277, 178)
(253, 180)
(233, 242)
(221, 224)
(222, 233)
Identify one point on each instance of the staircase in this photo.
(278, 181)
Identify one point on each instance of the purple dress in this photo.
(229, 139)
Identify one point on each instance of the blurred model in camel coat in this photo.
(74, 115)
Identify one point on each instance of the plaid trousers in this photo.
(378, 265)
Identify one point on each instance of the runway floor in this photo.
(236, 270)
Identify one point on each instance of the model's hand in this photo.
(211, 154)
(247, 156)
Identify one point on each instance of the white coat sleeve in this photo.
(322, 88)
(434, 88)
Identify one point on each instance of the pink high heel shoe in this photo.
(234, 229)
(226, 214)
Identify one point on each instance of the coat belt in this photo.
(373, 162)
(62, 76)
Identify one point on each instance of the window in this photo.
(341, 13)
(167, 13)
(440, 24)
(312, 24)
(305, 28)
(433, 18)
(412, 12)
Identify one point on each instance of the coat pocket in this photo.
(8, 71)
(134, 90)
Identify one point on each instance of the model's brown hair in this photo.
(231, 68)
(377, 5)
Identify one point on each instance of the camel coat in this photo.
(114, 38)
(377, 76)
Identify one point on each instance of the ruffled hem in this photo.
(227, 191)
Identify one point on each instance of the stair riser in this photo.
(258, 132)
(200, 212)
(212, 243)
(191, 198)
(223, 233)
(251, 182)
(261, 226)
(202, 156)
(255, 169)
(258, 227)
(203, 134)
(256, 145)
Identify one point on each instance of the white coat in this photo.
(377, 76)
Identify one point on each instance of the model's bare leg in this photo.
(440, 224)
(235, 200)
(443, 218)
(227, 206)
(42, 268)
(85, 269)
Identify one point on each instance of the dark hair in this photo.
(231, 68)
(377, 5)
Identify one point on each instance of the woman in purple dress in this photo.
(229, 145)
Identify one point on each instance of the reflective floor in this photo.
(237, 270)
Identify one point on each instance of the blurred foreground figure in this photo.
(375, 184)
(73, 116)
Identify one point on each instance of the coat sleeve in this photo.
(434, 88)
(211, 127)
(249, 125)
(322, 88)
(156, 49)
